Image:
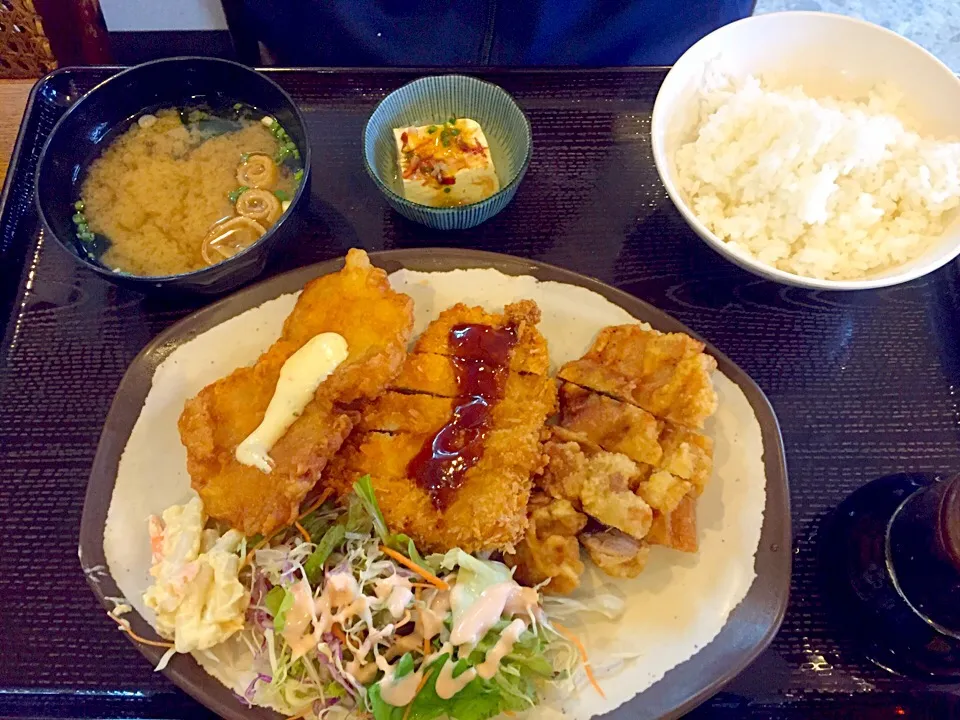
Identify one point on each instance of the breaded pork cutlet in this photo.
(452, 447)
(376, 323)
(666, 374)
(530, 352)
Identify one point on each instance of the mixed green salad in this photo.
(346, 618)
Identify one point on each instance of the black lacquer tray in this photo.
(864, 384)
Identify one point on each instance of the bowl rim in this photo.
(429, 209)
(158, 280)
(660, 118)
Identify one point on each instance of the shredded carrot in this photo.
(407, 562)
(302, 530)
(339, 633)
(320, 501)
(125, 626)
(583, 656)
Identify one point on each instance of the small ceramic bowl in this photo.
(828, 55)
(433, 100)
(88, 126)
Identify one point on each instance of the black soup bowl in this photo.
(92, 122)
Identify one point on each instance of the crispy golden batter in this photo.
(613, 425)
(677, 530)
(399, 412)
(666, 374)
(489, 508)
(431, 374)
(550, 551)
(488, 511)
(530, 353)
(687, 454)
(376, 322)
(599, 484)
(527, 401)
(615, 553)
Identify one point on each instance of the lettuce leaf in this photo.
(512, 689)
(278, 601)
(473, 577)
(367, 498)
(331, 540)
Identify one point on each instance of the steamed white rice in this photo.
(818, 187)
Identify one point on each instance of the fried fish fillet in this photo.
(666, 374)
(530, 353)
(376, 322)
(488, 508)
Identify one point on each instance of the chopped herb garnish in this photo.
(454, 132)
(281, 195)
(446, 189)
(235, 194)
(432, 129)
(78, 205)
(244, 157)
(452, 120)
(78, 218)
(298, 175)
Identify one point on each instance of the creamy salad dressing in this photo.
(396, 594)
(508, 638)
(503, 598)
(300, 377)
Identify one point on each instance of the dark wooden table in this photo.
(865, 384)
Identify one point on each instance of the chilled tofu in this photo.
(445, 164)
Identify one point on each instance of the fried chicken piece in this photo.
(376, 322)
(678, 529)
(613, 425)
(687, 454)
(530, 353)
(615, 553)
(666, 374)
(599, 484)
(663, 491)
(488, 510)
(550, 550)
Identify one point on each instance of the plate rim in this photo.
(770, 593)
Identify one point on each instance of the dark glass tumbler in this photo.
(891, 564)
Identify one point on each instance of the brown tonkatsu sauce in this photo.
(481, 358)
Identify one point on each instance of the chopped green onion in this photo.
(432, 129)
(244, 157)
(78, 218)
(281, 195)
(452, 120)
(78, 205)
(446, 189)
(238, 106)
(454, 132)
(235, 195)
(298, 175)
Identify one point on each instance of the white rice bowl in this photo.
(818, 187)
